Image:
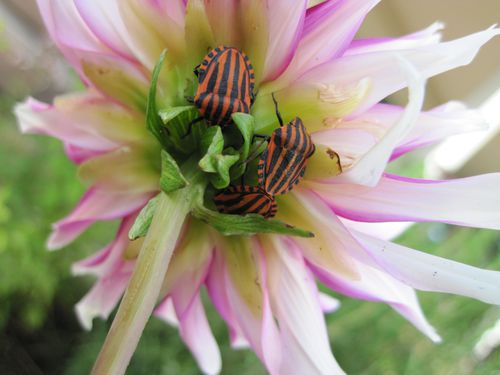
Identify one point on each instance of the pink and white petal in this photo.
(428, 36)
(384, 230)
(472, 201)
(196, 333)
(102, 298)
(135, 171)
(368, 169)
(101, 17)
(78, 154)
(224, 21)
(151, 29)
(116, 78)
(110, 257)
(293, 292)
(189, 266)
(328, 304)
(39, 118)
(378, 67)
(438, 124)
(431, 273)
(166, 311)
(246, 288)
(68, 30)
(94, 206)
(328, 30)
(284, 36)
(376, 285)
(216, 288)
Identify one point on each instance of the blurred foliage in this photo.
(40, 335)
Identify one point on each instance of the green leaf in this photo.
(171, 176)
(143, 220)
(232, 225)
(153, 122)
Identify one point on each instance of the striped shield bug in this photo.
(225, 85)
(283, 163)
(245, 199)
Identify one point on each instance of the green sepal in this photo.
(171, 176)
(214, 160)
(153, 122)
(250, 224)
(245, 124)
(176, 121)
(143, 220)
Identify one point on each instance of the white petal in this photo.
(431, 273)
(379, 66)
(369, 168)
(306, 348)
(472, 201)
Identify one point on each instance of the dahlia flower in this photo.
(261, 275)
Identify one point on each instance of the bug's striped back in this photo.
(283, 163)
(243, 200)
(225, 85)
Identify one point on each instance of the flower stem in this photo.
(144, 286)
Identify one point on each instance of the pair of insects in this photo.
(281, 167)
(226, 85)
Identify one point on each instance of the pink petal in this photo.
(284, 35)
(222, 15)
(113, 273)
(102, 17)
(364, 266)
(102, 298)
(328, 30)
(68, 30)
(328, 304)
(376, 285)
(196, 333)
(429, 36)
(166, 311)
(94, 206)
(385, 231)
(305, 344)
(472, 201)
(431, 273)
(39, 118)
(256, 321)
(379, 66)
(216, 288)
(110, 257)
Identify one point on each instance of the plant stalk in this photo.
(143, 289)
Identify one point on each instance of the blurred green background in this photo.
(40, 335)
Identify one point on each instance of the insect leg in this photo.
(277, 111)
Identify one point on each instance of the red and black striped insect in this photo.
(225, 85)
(283, 163)
(245, 199)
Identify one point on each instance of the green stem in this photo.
(144, 286)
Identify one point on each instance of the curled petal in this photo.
(431, 273)
(306, 348)
(428, 36)
(94, 206)
(471, 201)
(377, 285)
(379, 66)
(369, 168)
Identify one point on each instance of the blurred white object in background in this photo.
(472, 153)
(489, 341)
